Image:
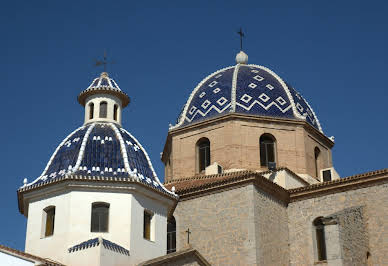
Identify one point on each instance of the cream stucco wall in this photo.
(96, 100)
(73, 219)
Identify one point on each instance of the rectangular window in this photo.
(100, 217)
(321, 245)
(147, 225)
(326, 175)
(50, 221)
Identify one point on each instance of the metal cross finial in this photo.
(103, 62)
(241, 33)
(188, 235)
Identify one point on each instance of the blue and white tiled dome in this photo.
(245, 89)
(101, 150)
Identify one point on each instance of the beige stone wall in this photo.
(242, 226)
(235, 144)
(222, 226)
(271, 230)
(374, 204)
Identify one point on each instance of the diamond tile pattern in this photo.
(263, 101)
(212, 90)
(303, 107)
(258, 92)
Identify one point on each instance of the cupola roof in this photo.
(246, 89)
(104, 84)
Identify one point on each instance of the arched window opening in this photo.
(100, 217)
(203, 154)
(320, 238)
(267, 149)
(316, 161)
(103, 109)
(115, 112)
(49, 212)
(171, 235)
(91, 110)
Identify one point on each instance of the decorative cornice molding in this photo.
(82, 178)
(339, 185)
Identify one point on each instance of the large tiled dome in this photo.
(246, 89)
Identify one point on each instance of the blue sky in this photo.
(334, 54)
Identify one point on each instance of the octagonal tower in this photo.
(98, 201)
(246, 117)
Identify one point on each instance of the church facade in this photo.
(249, 180)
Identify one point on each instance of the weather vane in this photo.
(242, 35)
(103, 62)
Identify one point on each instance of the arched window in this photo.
(91, 110)
(203, 154)
(100, 217)
(49, 220)
(320, 238)
(103, 109)
(316, 160)
(171, 235)
(115, 107)
(267, 149)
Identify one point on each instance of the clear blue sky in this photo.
(335, 54)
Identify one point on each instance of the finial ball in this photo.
(241, 58)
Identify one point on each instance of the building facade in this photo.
(249, 180)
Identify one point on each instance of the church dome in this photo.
(100, 150)
(245, 89)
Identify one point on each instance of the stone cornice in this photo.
(198, 186)
(99, 181)
(189, 188)
(231, 116)
(340, 185)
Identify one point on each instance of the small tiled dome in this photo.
(246, 89)
(104, 84)
(100, 150)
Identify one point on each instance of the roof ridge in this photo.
(200, 177)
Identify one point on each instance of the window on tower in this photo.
(267, 149)
(115, 107)
(91, 110)
(100, 217)
(203, 154)
(103, 109)
(49, 221)
(316, 161)
(147, 225)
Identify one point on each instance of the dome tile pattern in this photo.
(101, 149)
(212, 97)
(260, 93)
(245, 89)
